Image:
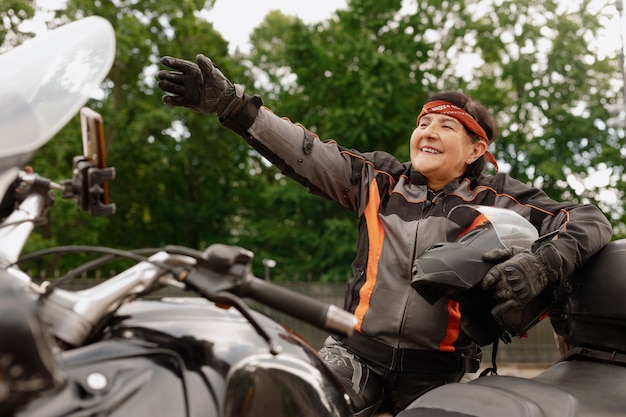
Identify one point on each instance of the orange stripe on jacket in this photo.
(376, 235)
(453, 329)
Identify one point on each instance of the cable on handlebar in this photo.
(112, 255)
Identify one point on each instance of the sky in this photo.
(235, 19)
(235, 26)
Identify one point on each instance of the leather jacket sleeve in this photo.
(324, 167)
(569, 233)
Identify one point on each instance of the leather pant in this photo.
(372, 387)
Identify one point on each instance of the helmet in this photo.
(455, 269)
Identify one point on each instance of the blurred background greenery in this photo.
(360, 77)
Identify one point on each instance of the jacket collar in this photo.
(417, 178)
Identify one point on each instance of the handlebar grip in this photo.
(317, 313)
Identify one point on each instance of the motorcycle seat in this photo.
(495, 396)
(598, 387)
(576, 388)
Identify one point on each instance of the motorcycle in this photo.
(109, 350)
(587, 314)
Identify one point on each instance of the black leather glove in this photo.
(199, 86)
(518, 277)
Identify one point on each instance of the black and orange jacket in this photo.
(400, 218)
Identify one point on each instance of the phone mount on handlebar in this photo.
(88, 187)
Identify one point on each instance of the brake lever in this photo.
(214, 279)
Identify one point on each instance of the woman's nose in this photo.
(429, 131)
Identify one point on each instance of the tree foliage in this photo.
(179, 175)
(550, 91)
(14, 13)
(362, 76)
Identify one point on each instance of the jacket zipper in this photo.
(426, 207)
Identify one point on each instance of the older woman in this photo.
(403, 345)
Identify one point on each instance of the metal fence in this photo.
(538, 349)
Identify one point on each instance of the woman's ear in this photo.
(478, 149)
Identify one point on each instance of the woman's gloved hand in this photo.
(519, 276)
(199, 86)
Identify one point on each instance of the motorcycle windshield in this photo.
(507, 226)
(48, 79)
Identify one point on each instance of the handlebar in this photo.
(320, 314)
(228, 268)
(220, 270)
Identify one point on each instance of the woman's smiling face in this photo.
(441, 149)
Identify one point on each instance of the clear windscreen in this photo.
(48, 79)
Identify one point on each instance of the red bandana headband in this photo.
(449, 109)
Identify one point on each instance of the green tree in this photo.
(180, 176)
(362, 76)
(551, 92)
(178, 171)
(13, 13)
(341, 80)
(359, 77)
